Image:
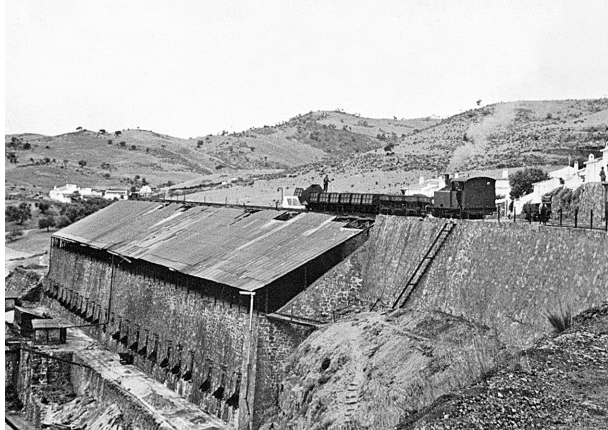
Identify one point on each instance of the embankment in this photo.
(504, 275)
(509, 276)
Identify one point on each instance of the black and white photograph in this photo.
(306, 215)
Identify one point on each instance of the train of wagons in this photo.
(461, 198)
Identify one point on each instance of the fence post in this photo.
(591, 221)
(560, 217)
(498, 213)
(575, 217)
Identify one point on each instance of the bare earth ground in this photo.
(561, 383)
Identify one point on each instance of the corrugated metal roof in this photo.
(232, 246)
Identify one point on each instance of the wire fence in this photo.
(589, 221)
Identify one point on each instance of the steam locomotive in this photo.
(460, 198)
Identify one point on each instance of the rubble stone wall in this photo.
(509, 276)
(88, 382)
(23, 282)
(373, 275)
(206, 333)
(41, 375)
(11, 365)
(277, 342)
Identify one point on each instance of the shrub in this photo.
(82, 163)
(560, 321)
(122, 143)
(14, 235)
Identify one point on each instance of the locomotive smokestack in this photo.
(446, 177)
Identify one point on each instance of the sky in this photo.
(191, 68)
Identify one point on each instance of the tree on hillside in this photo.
(78, 128)
(82, 163)
(43, 207)
(102, 131)
(62, 221)
(19, 214)
(46, 222)
(117, 133)
(12, 157)
(522, 181)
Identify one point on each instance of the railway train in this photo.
(461, 198)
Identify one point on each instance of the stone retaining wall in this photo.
(509, 277)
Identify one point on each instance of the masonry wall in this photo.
(509, 276)
(41, 375)
(337, 291)
(587, 198)
(11, 364)
(371, 277)
(23, 282)
(194, 328)
(277, 341)
(88, 382)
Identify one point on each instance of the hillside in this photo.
(113, 159)
(369, 154)
(515, 134)
(560, 383)
(429, 370)
(369, 371)
(496, 136)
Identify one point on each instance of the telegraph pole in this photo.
(605, 185)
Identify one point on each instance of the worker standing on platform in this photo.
(326, 182)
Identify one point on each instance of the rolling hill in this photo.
(369, 154)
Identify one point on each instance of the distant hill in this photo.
(346, 146)
(126, 157)
(502, 135)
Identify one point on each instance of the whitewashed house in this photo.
(116, 194)
(64, 194)
(591, 172)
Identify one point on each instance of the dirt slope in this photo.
(369, 371)
(561, 383)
